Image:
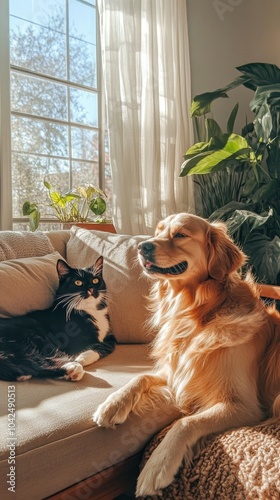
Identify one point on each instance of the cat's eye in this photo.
(95, 281)
(78, 282)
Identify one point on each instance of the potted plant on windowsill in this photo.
(76, 207)
(253, 220)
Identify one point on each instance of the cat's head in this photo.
(81, 289)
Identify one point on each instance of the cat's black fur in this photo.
(59, 341)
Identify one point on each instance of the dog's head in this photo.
(187, 247)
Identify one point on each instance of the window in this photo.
(56, 102)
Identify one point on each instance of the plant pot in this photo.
(96, 226)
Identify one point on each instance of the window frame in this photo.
(6, 202)
(6, 215)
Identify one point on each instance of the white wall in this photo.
(229, 33)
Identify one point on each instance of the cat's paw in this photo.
(23, 378)
(75, 371)
(87, 357)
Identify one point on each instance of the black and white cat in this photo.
(58, 342)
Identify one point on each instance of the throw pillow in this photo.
(27, 284)
(21, 244)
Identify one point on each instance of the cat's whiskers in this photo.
(65, 297)
(109, 297)
(72, 304)
(70, 301)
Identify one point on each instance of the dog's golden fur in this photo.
(217, 350)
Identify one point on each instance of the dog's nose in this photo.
(147, 248)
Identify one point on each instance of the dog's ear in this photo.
(224, 256)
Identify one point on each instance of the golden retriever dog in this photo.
(217, 349)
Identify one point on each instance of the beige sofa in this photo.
(50, 447)
(53, 435)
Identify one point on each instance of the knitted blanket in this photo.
(241, 464)
(17, 244)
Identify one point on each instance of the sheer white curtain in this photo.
(147, 79)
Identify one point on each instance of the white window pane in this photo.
(85, 173)
(82, 21)
(39, 48)
(83, 107)
(39, 136)
(37, 11)
(82, 62)
(84, 144)
(37, 96)
(28, 174)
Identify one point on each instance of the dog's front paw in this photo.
(75, 371)
(112, 412)
(154, 476)
(160, 469)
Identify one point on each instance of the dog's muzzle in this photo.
(147, 250)
(147, 253)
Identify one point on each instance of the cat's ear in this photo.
(62, 268)
(97, 268)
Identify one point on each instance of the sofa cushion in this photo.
(28, 284)
(57, 442)
(127, 286)
(18, 244)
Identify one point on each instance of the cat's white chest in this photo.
(89, 305)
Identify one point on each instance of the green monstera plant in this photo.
(246, 167)
(77, 205)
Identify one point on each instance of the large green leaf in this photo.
(231, 120)
(259, 74)
(98, 206)
(252, 220)
(34, 219)
(263, 123)
(214, 144)
(213, 128)
(201, 103)
(226, 211)
(264, 256)
(273, 159)
(266, 94)
(70, 197)
(235, 148)
(264, 105)
(28, 208)
(57, 199)
(198, 148)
